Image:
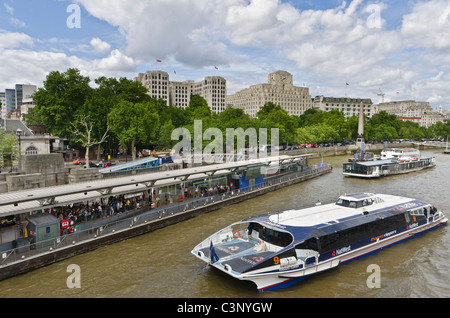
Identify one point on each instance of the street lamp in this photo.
(19, 133)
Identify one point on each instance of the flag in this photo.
(159, 61)
(216, 67)
(212, 254)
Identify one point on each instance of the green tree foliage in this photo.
(9, 148)
(61, 99)
(134, 124)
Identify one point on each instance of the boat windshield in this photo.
(354, 203)
(269, 235)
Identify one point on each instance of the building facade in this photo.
(18, 101)
(2, 104)
(157, 84)
(349, 106)
(279, 90)
(418, 112)
(180, 93)
(213, 89)
(24, 97)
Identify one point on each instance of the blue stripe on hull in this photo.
(294, 281)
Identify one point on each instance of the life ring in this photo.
(236, 234)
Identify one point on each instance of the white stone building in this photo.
(349, 106)
(157, 83)
(213, 89)
(279, 90)
(180, 93)
(418, 112)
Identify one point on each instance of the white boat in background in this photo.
(400, 153)
(278, 250)
(393, 161)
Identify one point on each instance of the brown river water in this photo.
(160, 265)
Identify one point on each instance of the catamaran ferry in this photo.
(278, 250)
(392, 161)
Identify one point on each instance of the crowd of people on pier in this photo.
(90, 211)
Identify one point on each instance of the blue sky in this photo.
(396, 46)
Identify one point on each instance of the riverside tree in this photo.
(9, 149)
(134, 123)
(60, 100)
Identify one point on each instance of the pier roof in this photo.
(35, 199)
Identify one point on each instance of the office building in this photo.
(18, 101)
(418, 112)
(279, 90)
(211, 88)
(349, 106)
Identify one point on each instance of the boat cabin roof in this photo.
(374, 163)
(348, 211)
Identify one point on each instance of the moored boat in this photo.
(392, 161)
(278, 250)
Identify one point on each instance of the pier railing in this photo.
(114, 224)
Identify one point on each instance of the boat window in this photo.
(309, 244)
(417, 212)
(350, 204)
(270, 235)
(420, 211)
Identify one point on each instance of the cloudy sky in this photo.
(398, 47)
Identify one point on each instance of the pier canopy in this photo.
(24, 201)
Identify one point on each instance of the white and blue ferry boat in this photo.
(278, 250)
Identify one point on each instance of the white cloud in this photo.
(17, 23)
(117, 61)
(8, 8)
(100, 46)
(161, 29)
(27, 66)
(428, 25)
(14, 39)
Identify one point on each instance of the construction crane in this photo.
(382, 95)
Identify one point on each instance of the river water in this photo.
(159, 264)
